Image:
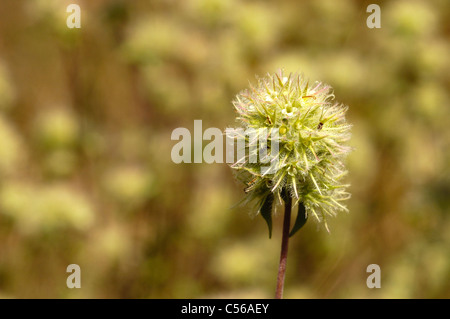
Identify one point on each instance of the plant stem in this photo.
(284, 247)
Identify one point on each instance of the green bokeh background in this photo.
(86, 177)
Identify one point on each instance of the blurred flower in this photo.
(57, 128)
(257, 27)
(211, 13)
(130, 185)
(240, 263)
(152, 39)
(411, 18)
(345, 70)
(112, 242)
(313, 135)
(162, 91)
(45, 208)
(53, 15)
(208, 218)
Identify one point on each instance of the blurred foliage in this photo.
(86, 176)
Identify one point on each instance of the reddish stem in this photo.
(284, 248)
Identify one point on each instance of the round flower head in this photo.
(292, 142)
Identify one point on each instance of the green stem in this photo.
(284, 248)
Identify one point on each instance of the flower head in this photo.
(305, 134)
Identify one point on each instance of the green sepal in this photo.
(301, 219)
(266, 212)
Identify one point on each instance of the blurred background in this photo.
(86, 176)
